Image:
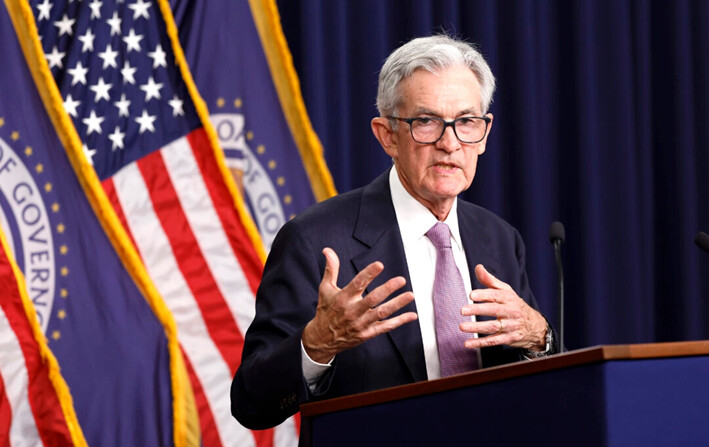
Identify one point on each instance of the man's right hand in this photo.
(345, 319)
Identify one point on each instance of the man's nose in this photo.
(449, 141)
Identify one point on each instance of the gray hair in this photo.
(433, 53)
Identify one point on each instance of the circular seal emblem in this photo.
(257, 188)
(26, 223)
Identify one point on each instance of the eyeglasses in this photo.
(430, 129)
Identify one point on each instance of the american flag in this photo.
(124, 82)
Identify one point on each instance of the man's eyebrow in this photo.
(470, 111)
(422, 111)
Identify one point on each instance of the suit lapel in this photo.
(473, 240)
(377, 229)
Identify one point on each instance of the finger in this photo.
(485, 342)
(389, 324)
(363, 279)
(485, 305)
(383, 291)
(488, 280)
(483, 310)
(392, 306)
(332, 267)
(482, 327)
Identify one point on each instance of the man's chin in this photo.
(449, 188)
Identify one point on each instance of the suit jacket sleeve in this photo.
(269, 386)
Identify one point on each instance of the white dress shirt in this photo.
(414, 221)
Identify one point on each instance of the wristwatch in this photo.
(548, 349)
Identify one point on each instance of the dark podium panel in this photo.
(624, 395)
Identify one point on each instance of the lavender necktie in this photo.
(448, 297)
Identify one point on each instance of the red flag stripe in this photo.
(296, 422)
(219, 321)
(264, 438)
(224, 204)
(27, 387)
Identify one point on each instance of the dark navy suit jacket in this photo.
(361, 227)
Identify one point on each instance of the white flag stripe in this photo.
(211, 369)
(285, 434)
(213, 242)
(23, 428)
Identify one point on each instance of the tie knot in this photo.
(440, 235)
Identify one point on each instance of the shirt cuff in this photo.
(312, 370)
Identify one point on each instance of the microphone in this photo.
(702, 241)
(557, 234)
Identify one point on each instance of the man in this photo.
(359, 293)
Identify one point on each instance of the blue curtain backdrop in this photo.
(601, 122)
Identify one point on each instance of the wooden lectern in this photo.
(621, 395)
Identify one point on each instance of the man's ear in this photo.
(381, 128)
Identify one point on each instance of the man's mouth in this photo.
(445, 166)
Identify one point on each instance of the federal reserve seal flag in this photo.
(90, 301)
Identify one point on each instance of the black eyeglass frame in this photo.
(452, 123)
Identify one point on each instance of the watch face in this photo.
(550, 340)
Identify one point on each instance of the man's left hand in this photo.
(516, 324)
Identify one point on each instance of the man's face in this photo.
(436, 173)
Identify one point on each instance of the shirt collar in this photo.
(414, 218)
